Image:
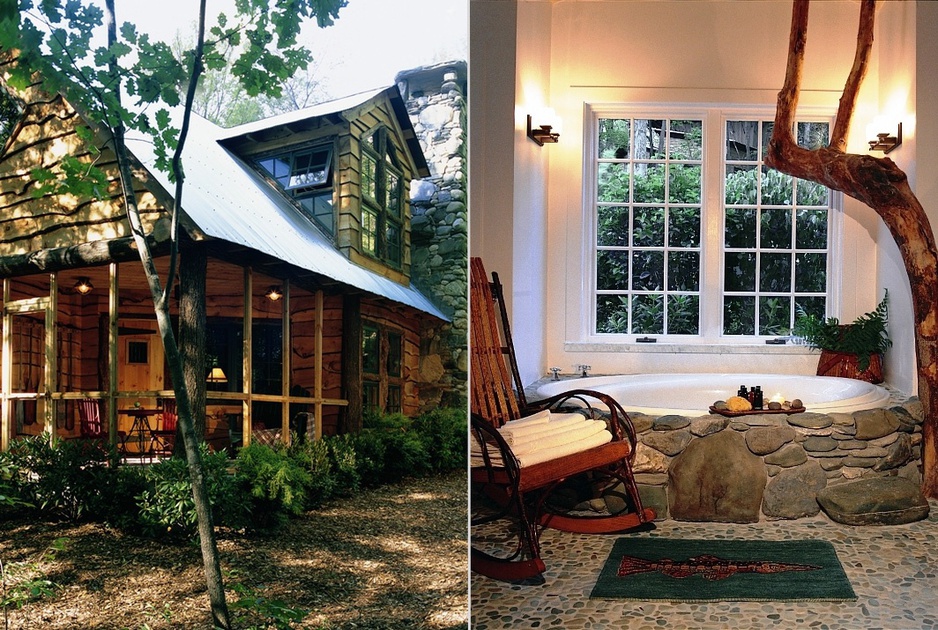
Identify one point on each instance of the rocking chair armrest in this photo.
(620, 425)
(488, 439)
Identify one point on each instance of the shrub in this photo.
(276, 483)
(444, 434)
(344, 464)
(313, 455)
(63, 481)
(166, 507)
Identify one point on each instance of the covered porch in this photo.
(281, 359)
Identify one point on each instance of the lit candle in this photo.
(777, 398)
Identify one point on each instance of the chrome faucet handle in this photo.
(583, 369)
(555, 371)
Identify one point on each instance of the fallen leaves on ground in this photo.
(390, 558)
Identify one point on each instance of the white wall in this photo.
(665, 51)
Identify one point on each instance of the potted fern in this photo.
(850, 350)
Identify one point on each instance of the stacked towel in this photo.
(549, 436)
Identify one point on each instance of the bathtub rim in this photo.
(877, 396)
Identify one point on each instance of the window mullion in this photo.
(711, 276)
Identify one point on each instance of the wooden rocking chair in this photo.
(518, 490)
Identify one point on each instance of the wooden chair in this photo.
(521, 491)
(91, 420)
(163, 440)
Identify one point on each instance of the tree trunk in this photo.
(884, 187)
(192, 329)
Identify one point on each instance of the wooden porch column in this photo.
(112, 340)
(50, 373)
(246, 351)
(317, 376)
(285, 363)
(6, 379)
(352, 363)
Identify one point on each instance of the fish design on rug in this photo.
(710, 567)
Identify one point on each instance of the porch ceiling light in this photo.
(273, 294)
(885, 142)
(84, 285)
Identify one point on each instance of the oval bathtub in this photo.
(692, 394)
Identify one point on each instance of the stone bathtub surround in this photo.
(767, 466)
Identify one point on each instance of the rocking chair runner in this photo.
(521, 491)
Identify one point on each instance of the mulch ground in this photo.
(390, 558)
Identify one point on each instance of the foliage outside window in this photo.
(306, 175)
(382, 199)
(382, 360)
(650, 204)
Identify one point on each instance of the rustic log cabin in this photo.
(294, 240)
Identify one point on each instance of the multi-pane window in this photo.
(775, 244)
(382, 198)
(306, 175)
(648, 215)
(761, 258)
(382, 359)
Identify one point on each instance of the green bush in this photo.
(445, 436)
(166, 507)
(276, 483)
(343, 458)
(313, 455)
(63, 481)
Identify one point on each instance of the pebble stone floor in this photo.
(893, 571)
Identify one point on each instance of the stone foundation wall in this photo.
(769, 466)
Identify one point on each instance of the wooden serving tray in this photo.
(754, 412)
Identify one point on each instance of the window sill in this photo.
(664, 347)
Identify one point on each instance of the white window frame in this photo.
(714, 118)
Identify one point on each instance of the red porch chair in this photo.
(91, 421)
(163, 440)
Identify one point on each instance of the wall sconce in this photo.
(84, 285)
(886, 143)
(273, 294)
(217, 375)
(544, 133)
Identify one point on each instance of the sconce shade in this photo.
(274, 293)
(885, 142)
(84, 286)
(542, 134)
(217, 375)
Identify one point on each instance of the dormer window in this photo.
(382, 199)
(306, 176)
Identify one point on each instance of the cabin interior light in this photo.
(885, 142)
(274, 294)
(546, 131)
(217, 375)
(84, 285)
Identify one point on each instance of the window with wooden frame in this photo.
(382, 368)
(305, 174)
(382, 198)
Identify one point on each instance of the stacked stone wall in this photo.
(774, 465)
(436, 102)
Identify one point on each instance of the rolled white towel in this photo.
(514, 434)
(582, 429)
(547, 454)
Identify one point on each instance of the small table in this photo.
(141, 426)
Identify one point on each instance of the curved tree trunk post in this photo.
(193, 266)
(884, 187)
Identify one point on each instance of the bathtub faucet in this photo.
(583, 369)
(556, 373)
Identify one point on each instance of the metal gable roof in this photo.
(226, 199)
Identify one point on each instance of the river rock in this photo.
(875, 501)
(670, 443)
(875, 423)
(716, 479)
(707, 425)
(897, 454)
(670, 423)
(765, 440)
(792, 493)
(810, 420)
(791, 455)
(818, 444)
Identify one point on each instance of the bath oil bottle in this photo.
(757, 399)
(742, 393)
